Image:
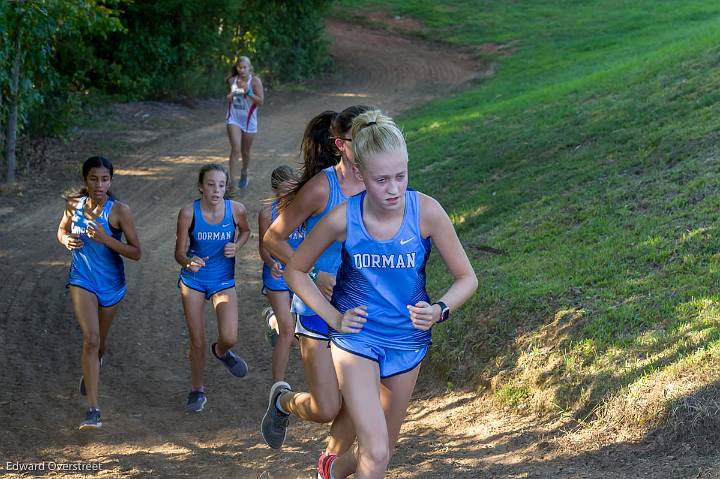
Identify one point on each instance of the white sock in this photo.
(279, 406)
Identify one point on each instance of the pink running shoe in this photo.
(325, 462)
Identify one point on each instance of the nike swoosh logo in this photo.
(403, 242)
(225, 226)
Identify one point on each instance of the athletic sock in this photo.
(279, 406)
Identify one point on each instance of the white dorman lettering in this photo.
(214, 235)
(394, 261)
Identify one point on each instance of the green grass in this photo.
(591, 158)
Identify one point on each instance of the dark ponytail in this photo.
(318, 145)
(318, 152)
(342, 123)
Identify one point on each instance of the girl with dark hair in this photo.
(320, 189)
(274, 285)
(244, 95)
(92, 227)
(210, 232)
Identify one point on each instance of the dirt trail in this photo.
(146, 375)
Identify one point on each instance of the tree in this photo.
(32, 29)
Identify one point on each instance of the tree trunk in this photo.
(11, 136)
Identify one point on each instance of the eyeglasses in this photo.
(341, 138)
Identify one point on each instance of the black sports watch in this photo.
(444, 311)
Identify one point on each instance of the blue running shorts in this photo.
(312, 327)
(209, 288)
(106, 298)
(391, 361)
(271, 283)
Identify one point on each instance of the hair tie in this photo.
(371, 123)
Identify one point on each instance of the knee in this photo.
(91, 342)
(328, 408)
(376, 454)
(227, 341)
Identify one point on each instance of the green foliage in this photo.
(140, 49)
(172, 48)
(290, 43)
(591, 159)
(31, 30)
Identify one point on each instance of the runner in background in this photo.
(244, 95)
(210, 232)
(328, 180)
(274, 286)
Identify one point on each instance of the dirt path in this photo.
(146, 376)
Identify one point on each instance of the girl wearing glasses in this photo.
(380, 315)
(244, 96)
(325, 183)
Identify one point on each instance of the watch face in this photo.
(445, 313)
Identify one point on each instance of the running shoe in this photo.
(83, 391)
(275, 422)
(324, 465)
(234, 363)
(195, 402)
(243, 183)
(271, 333)
(92, 419)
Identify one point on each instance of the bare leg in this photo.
(225, 304)
(193, 302)
(342, 432)
(88, 315)
(322, 403)
(235, 137)
(280, 302)
(378, 409)
(246, 144)
(106, 316)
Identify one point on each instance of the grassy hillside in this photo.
(591, 162)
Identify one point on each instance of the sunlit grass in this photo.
(582, 180)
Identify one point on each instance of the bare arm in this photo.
(309, 201)
(64, 237)
(243, 230)
(331, 228)
(258, 94)
(182, 240)
(264, 217)
(435, 223)
(228, 84)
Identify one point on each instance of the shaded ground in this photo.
(158, 149)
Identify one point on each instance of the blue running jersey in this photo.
(208, 240)
(95, 266)
(270, 283)
(385, 276)
(329, 261)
